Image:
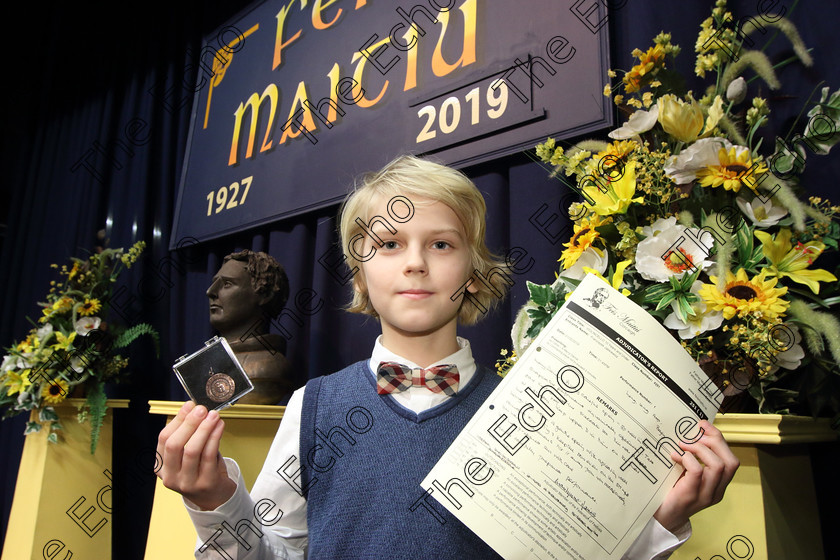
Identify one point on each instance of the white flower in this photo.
(792, 357)
(9, 362)
(86, 324)
(15, 362)
(697, 323)
(78, 364)
(640, 121)
(592, 258)
(673, 252)
(660, 225)
(736, 91)
(703, 153)
(762, 214)
(44, 333)
(521, 325)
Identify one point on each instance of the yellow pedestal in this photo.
(770, 508)
(62, 500)
(249, 431)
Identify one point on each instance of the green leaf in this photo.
(540, 318)
(32, 428)
(665, 301)
(52, 438)
(540, 294)
(656, 292)
(47, 414)
(684, 309)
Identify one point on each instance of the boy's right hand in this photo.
(192, 464)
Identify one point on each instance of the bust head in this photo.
(249, 289)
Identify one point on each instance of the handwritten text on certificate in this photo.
(570, 456)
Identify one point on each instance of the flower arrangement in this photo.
(71, 348)
(688, 214)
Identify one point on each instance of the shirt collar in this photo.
(462, 358)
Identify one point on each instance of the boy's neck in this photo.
(422, 349)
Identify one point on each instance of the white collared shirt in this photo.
(288, 536)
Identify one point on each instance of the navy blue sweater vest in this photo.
(363, 457)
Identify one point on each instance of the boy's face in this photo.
(410, 279)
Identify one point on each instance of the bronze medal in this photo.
(220, 387)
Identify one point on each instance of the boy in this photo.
(342, 477)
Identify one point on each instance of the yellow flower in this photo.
(64, 341)
(74, 271)
(612, 197)
(743, 296)
(17, 382)
(715, 114)
(733, 168)
(55, 391)
(619, 149)
(29, 344)
(682, 120)
(62, 305)
(649, 62)
(786, 260)
(617, 277)
(89, 307)
(583, 238)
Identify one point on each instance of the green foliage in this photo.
(130, 335)
(675, 290)
(96, 401)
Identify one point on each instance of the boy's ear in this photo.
(472, 286)
(359, 284)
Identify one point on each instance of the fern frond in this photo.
(132, 334)
(96, 402)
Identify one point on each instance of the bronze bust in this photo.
(249, 291)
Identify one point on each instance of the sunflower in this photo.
(743, 296)
(583, 238)
(732, 170)
(89, 307)
(55, 391)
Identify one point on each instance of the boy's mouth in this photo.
(415, 294)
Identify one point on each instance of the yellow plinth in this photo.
(770, 508)
(249, 431)
(62, 500)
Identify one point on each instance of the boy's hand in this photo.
(192, 464)
(701, 485)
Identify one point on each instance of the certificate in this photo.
(570, 456)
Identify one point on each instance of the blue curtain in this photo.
(89, 145)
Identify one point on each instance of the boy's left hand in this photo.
(701, 485)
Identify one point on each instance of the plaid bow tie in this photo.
(393, 377)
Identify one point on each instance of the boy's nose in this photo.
(415, 260)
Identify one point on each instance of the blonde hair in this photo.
(410, 176)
